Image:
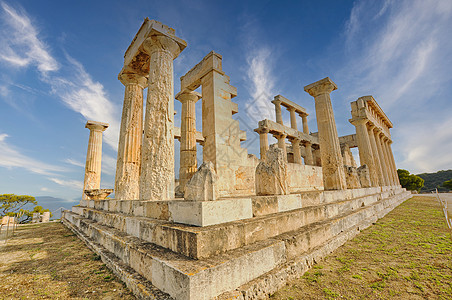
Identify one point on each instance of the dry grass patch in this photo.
(47, 261)
(405, 255)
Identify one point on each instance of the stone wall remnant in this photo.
(272, 174)
(203, 184)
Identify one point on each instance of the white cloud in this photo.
(20, 44)
(44, 189)
(22, 47)
(74, 162)
(73, 184)
(398, 53)
(261, 83)
(10, 157)
(87, 97)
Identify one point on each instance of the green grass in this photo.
(407, 255)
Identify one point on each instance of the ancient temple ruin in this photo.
(236, 226)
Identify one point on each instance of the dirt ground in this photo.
(405, 255)
(47, 261)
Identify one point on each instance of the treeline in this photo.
(435, 180)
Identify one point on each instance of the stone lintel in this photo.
(325, 85)
(372, 103)
(278, 129)
(93, 125)
(350, 140)
(205, 213)
(134, 57)
(289, 104)
(192, 79)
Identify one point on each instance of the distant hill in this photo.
(435, 180)
(54, 204)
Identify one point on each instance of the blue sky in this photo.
(59, 62)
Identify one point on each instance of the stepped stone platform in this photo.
(247, 258)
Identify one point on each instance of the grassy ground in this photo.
(47, 261)
(405, 255)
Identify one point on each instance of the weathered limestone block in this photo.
(351, 176)
(45, 217)
(364, 176)
(272, 174)
(203, 184)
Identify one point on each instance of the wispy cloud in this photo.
(74, 162)
(22, 47)
(20, 44)
(11, 157)
(398, 52)
(72, 184)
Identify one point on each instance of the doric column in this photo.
(365, 149)
(305, 123)
(383, 160)
(282, 143)
(293, 118)
(188, 162)
(309, 160)
(263, 140)
(388, 159)
(296, 150)
(391, 156)
(130, 138)
(330, 150)
(93, 156)
(157, 159)
(278, 112)
(376, 154)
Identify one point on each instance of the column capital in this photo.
(291, 109)
(96, 126)
(276, 101)
(133, 78)
(188, 96)
(262, 130)
(358, 121)
(163, 43)
(323, 86)
(280, 135)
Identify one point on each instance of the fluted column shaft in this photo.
(263, 141)
(388, 160)
(293, 118)
(128, 164)
(282, 143)
(296, 150)
(304, 119)
(157, 161)
(188, 161)
(330, 151)
(383, 159)
(278, 111)
(391, 157)
(365, 149)
(93, 156)
(376, 155)
(309, 160)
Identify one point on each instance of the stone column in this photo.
(391, 156)
(296, 150)
(278, 112)
(365, 149)
(188, 162)
(388, 160)
(128, 164)
(330, 150)
(309, 160)
(93, 156)
(263, 140)
(305, 123)
(376, 155)
(157, 159)
(293, 118)
(383, 160)
(395, 177)
(282, 143)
